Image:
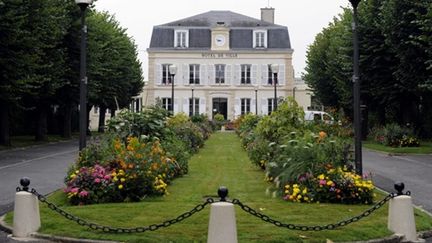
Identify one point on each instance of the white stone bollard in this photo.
(222, 225)
(26, 214)
(401, 218)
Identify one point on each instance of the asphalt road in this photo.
(413, 170)
(45, 165)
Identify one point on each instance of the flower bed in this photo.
(137, 159)
(303, 160)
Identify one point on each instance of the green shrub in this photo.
(287, 118)
(308, 153)
(395, 136)
(149, 122)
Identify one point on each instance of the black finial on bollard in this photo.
(223, 193)
(399, 186)
(25, 182)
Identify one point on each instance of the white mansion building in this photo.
(223, 63)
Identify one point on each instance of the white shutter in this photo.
(264, 107)
(253, 105)
(211, 74)
(202, 106)
(264, 74)
(237, 74)
(202, 74)
(237, 108)
(158, 74)
(185, 74)
(254, 74)
(228, 74)
(176, 105)
(178, 79)
(254, 39)
(186, 106)
(281, 75)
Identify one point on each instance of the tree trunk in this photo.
(41, 125)
(67, 121)
(4, 125)
(102, 111)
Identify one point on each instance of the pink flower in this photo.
(74, 190)
(97, 180)
(322, 182)
(107, 177)
(83, 194)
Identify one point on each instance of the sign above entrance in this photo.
(219, 55)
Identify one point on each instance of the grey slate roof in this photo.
(199, 26)
(210, 19)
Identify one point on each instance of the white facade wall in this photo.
(232, 90)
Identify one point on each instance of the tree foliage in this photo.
(39, 65)
(395, 62)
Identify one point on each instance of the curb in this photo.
(35, 236)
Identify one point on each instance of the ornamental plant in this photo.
(335, 185)
(135, 170)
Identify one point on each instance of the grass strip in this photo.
(221, 162)
(425, 148)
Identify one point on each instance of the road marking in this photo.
(31, 160)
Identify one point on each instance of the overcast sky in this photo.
(304, 18)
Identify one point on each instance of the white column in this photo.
(26, 214)
(222, 225)
(401, 217)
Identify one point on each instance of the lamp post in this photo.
(83, 4)
(356, 83)
(275, 70)
(256, 101)
(193, 103)
(172, 72)
(294, 90)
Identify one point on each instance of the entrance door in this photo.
(220, 105)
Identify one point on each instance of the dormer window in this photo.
(181, 38)
(260, 39)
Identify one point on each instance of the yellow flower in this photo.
(72, 176)
(115, 178)
(287, 186)
(122, 179)
(321, 177)
(329, 183)
(304, 191)
(120, 186)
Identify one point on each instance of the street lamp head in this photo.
(173, 69)
(87, 2)
(274, 68)
(83, 3)
(355, 3)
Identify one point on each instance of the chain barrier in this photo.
(222, 192)
(108, 229)
(277, 223)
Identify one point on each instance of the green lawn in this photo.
(425, 148)
(221, 162)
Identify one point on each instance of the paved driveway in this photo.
(45, 165)
(414, 170)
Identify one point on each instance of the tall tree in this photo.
(115, 74)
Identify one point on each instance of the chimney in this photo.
(267, 15)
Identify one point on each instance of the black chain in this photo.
(108, 229)
(317, 227)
